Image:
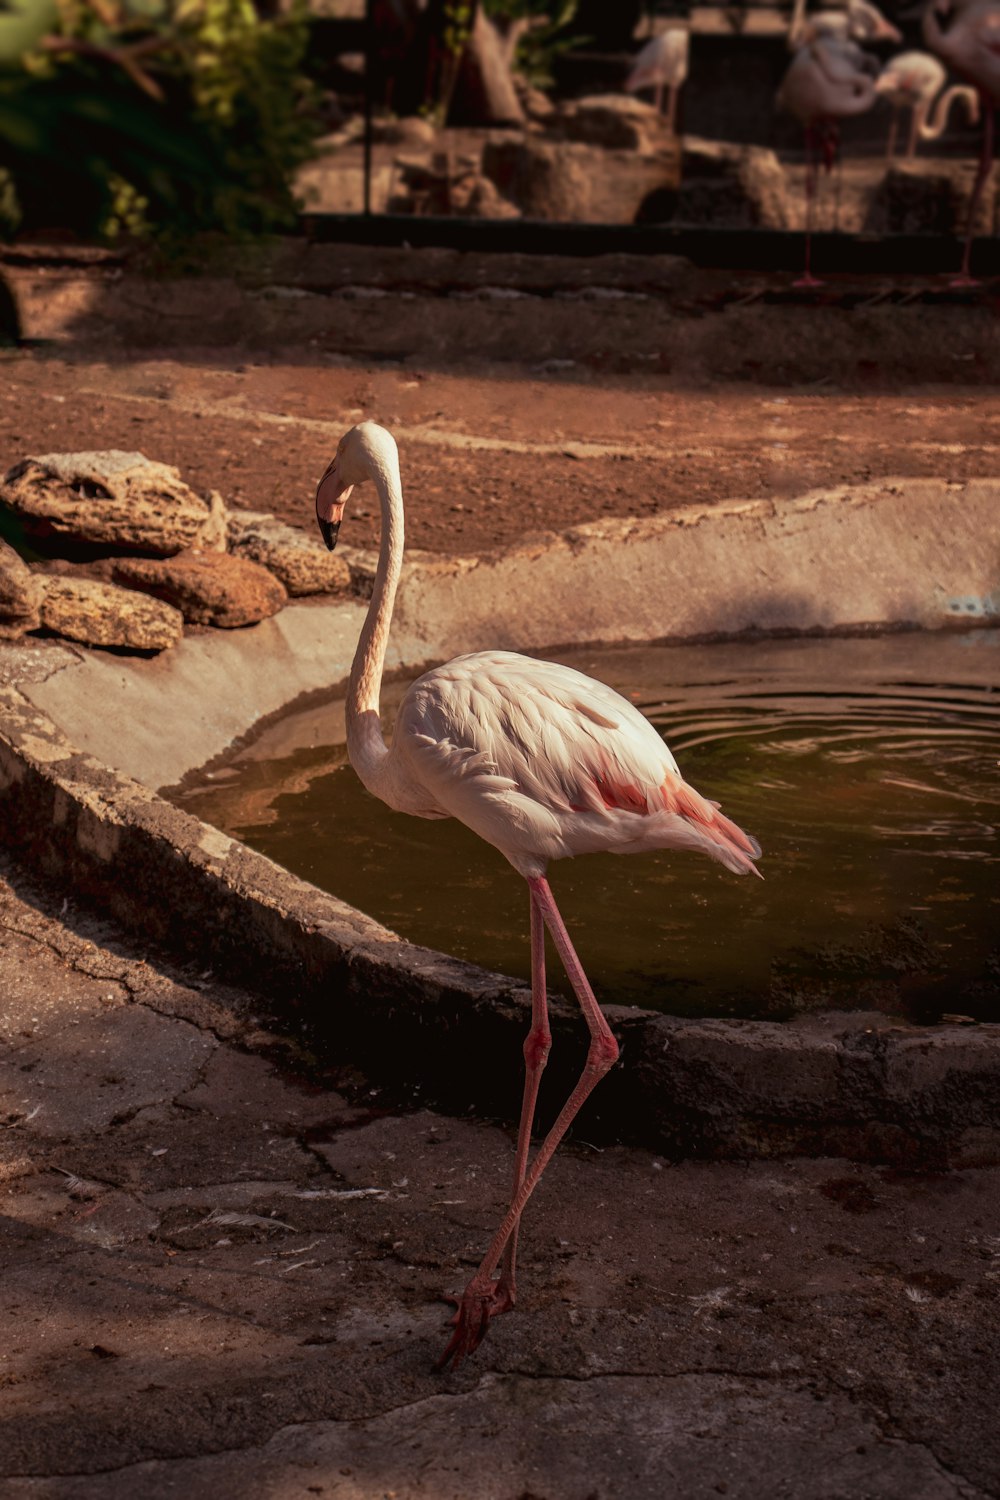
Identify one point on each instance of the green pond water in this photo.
(867, 768)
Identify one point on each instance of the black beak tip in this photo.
(329, 531)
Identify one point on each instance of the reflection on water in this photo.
(868, 769)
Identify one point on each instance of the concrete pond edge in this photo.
(448, 1033)
(859, 1087)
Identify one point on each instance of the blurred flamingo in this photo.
(859, 22)
(827, 81)
(662, 63)
(966, 34)
(541, 762)
(912, 80)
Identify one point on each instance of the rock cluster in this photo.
(294, 558)
(20, 595)
(127, 554)
(110, 499)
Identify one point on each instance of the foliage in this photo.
(165, 117)
(539, 27)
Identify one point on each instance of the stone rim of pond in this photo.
(865, 557)
(858, 1086)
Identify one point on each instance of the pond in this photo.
(868, 768)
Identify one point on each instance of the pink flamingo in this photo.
(859, 22)
(662, 63)
(913, 80)
(541, 762)
(827, 80)
(966, 34)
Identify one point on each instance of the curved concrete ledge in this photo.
(896, 553)
(862, 1087)
(845, 1085)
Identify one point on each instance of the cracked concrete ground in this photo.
(221, 1276)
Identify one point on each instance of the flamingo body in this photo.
(662, 61)
(828, 80)
(546, 763)
(913, 80)
(662, 64)
(966, 35)
(542, 762)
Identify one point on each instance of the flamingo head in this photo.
(358, 452)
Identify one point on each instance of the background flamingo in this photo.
(662, 63)
(966, 34)
(912, 80)
(860, 22)
(542, 762)
(827, 80)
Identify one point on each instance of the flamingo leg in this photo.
(964, 278)
(890, 145)
(916, 120)
(672, 92)
(536, 1053)
(483, 1297)
(807, 279)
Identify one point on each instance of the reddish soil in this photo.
(493, 455)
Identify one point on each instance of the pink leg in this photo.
(484, 1297)
(890, 145)
(807, 279)
(672, 108)
(536, 1054)
(964, 278)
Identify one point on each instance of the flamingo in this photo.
(966, 34)
(543, 763)
(827, 80)
(913, 80)
(860, 22)
(663, 62)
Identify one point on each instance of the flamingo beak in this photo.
(332, 494)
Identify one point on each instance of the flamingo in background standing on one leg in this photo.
(541, 762)
(662, 63)
(966, 34)
(827, 81)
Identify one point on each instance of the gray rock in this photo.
(20, 595)
(302, 565)
(209, 588)
(732, 185)
(615, 121)
(111, 499)
(101, 614)
(574, 182)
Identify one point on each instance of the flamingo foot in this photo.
(963, 279)
(482, 1300)
(806, 280)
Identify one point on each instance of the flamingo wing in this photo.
(544, 762)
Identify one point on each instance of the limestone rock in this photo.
(209, 588)
(100, 614)
(615, 121)
(20, 595)
(574, 182)
(302, 565)
(733, 185)
(110, 499)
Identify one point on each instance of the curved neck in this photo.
(929, 130)
(365, 746)
(797, 27)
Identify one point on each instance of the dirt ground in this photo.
(222, 1277)
(490, 454)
